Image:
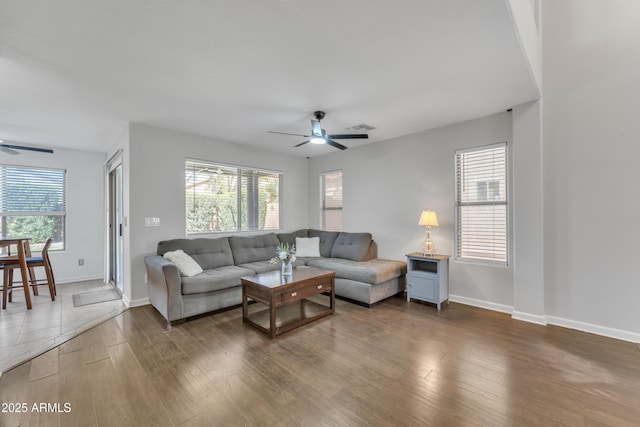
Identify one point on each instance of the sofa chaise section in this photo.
(360, 275)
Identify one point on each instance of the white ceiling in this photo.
(73, 73)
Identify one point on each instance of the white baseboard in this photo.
(63, 280)
(550, 320)
(136, 302)
(79, 278)
(482, 304)
(594, 329)
(527, 317)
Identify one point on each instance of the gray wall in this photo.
(156, 187)
(591, 174)
(528, 221)
(386, 185)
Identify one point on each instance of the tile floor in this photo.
(25, 334)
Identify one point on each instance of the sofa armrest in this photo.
(165, 287)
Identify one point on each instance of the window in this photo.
(331, 203)
(32, 204)
(482, 205)
(224, 198)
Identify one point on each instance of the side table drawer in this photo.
(305, 292)
(423, 286)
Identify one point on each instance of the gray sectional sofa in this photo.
(360, 275)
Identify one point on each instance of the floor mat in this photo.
(93, 297)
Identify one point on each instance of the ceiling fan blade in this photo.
(350, 136)
(302, 143)
(23, 147)
(332, 143)
(8, 150)
(294, 134)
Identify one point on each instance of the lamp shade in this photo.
(428, 218)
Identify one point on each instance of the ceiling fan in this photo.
(319, 136)
(11, 148)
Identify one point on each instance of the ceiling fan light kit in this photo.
(319, 135)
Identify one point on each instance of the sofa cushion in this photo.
(214, 280)
(248, 249)
(327, 238)
(373, 271)
(264, 266)
(290, 238)
(260, 266)
(209, 253)
(186, 264)
(308, 246)
(353, 246)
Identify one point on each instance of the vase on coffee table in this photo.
(287, 268)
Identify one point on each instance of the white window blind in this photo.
(482, 204)
(226, 198)
(32, 204)
(331, 203)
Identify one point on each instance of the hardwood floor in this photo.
(398, 363)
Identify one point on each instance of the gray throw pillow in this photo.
(327, 239)
(353, 246)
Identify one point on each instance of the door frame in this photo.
(114, 257)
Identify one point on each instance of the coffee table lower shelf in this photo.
(288, 316)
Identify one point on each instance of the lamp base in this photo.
(428, 247)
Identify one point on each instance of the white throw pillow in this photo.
(308, 246)
(187, 265)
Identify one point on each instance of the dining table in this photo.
(21, 255)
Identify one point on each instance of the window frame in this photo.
(241, 171)
(323, 203)
(489, 189)
(35, 174)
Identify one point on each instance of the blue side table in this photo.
(428, 278)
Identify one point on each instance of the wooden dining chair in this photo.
(32, 261)
(7, 261)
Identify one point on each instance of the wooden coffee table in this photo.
(286, 298)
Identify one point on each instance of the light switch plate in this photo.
(152, 222)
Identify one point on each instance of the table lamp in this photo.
(429, 219)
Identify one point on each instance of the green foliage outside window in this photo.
(228, 199)
(38, 228)
(32, 204)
